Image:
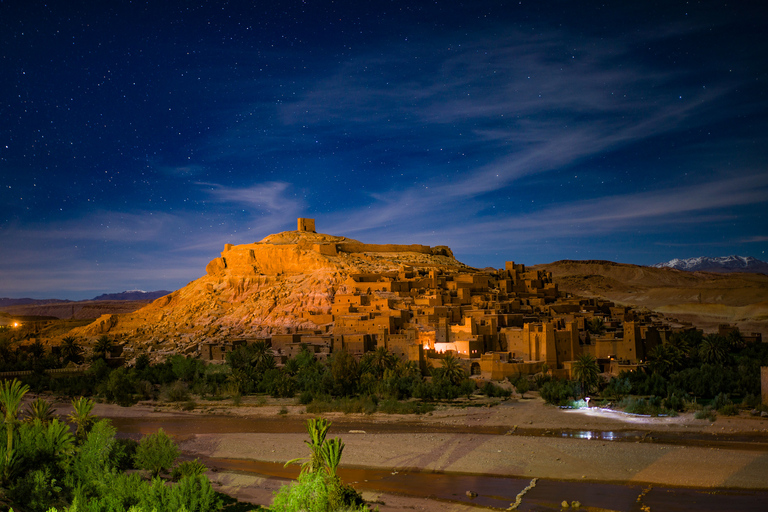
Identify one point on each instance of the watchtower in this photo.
(306, 225)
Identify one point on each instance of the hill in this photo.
(280, 284)
(704, 298)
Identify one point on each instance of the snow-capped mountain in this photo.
(721, 264)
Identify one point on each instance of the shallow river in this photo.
(492, 491)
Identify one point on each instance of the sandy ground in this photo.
(525, 456)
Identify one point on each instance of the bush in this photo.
(676, 401)
(559, 392)
(310, 493)
(188, 468)
(705, 414)
(720, 401)
(729, 410)
(491, 390)
(306, 397)
(156, 453)
(175, 392)
(646, 407)
(123, 453)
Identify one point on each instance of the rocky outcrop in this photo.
(273, 286)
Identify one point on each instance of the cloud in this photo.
(270, 196)
(755, 239)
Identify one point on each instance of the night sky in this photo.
(137, 138)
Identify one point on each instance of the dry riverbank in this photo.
(445, 441)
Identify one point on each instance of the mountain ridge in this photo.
(723, 264)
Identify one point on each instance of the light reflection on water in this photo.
(602, 435)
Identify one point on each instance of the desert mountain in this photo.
(721, 264)
(133, 295)
(75, 310)
(704, 298)
(273, 286)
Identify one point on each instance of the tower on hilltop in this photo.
(306, 225)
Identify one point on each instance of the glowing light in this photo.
(16, 324)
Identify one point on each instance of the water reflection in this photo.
(600, 435)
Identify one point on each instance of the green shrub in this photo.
(751, 401)
(559, 392)
(175, 392)
(188, 468)
(122, 453)
(705, 414)
(729, 410)
(491, 390)
(645, 406)
(189, 405)
(676, 402)
(156, 453)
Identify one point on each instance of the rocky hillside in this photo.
(263, 288)
(704, 298)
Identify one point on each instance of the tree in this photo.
(71, 351)
(586, 371)
(344, 370)
(596, 325)
(39, 409)
(103, 347)
(714, 349)
(452, 369)
(736, 340)
(319, 489)
(665, 359)
(262, 358)
(379, 361)
(156, 453)
(11, 395)
(81, 416)
(37, 350)
(317, 428)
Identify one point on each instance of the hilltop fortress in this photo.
(328, 293)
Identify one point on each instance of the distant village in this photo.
(500, 323)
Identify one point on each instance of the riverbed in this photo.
(604, 460)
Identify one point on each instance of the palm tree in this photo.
(37, 350)
(596, 325)
(11, 395)
(317, 429)
(39, 409)
(103, 347)
(380, 361)
(665, 359)
(262, 357)
(714, 349)
(71, 350)
(81, 416)
(736, 340)
(586, 371)
(331, 454)
(452, 369)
